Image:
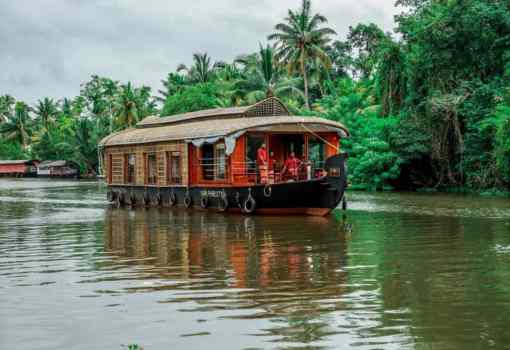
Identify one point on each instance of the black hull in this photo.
(313, 197)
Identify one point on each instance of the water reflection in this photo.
(237, 263)
(398, 271)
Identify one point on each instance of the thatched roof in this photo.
(269, 107)
(269, 114)
(55, 163)
(213, 128)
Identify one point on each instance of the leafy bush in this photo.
(192, 98)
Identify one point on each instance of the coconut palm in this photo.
(171, 85)
(110, 90)
(85, 144)
(262, 77)
(145, 103)
(46, 111)
(125, 109)
(17, 126)
(202, 71)
(301, 39)
(6, 107)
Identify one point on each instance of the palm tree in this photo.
(145, 103)
(125, 109)
(262, 77)
(66, 107)
(46, 111)
(202, 71)
(171, 85)
(17, 126)
(85, 144)
(6, 107)
(300, 39)
(110, 90)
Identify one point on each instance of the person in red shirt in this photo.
(291, 167)
(262, 163)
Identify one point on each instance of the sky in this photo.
(50, 47)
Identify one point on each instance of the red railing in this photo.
(209, 170)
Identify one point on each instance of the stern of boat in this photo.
(336, 179)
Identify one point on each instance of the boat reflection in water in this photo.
(261, 267)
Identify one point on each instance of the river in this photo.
(395, 271)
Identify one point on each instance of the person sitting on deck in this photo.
(292, 167)
(262, 163)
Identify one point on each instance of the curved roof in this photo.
(220, 122)
(213, 128)
(269, 107)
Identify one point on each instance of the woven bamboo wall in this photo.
(269, 107)
(118, 153)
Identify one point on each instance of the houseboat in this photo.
(58, 168)
(18, 168)
(253, 159)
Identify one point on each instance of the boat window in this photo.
(220, 161)
(129, 168)
(174, 170)
(207, 161)
(151, 169)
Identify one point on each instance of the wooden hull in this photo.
(312, 197)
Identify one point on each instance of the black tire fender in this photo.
(155, 199)
(132, 199)
(204, 202)
(172, 199)
(238, 200)
(187, 201)
(146, 198)
(268, 190)
(249, 205)
(223, 204)
(119, 200)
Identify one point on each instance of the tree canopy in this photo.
(428, 105)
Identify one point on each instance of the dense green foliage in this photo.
(430, 109)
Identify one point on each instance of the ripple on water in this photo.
(397, 271)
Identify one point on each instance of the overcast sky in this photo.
(50, 47)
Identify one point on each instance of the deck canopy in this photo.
(223, 123)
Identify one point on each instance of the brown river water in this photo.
(395, 271)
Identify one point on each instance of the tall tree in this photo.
(341, 59)
(84, 143)
(18, 125)
(172, 84)
(365, 40)
(125, 106)
(391, 79)
(7, 103)
(302, 38)
(262, 77)
(145, 103)
(46, 111)
(201, 71)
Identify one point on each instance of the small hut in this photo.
(58, 168)
(18, 168)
